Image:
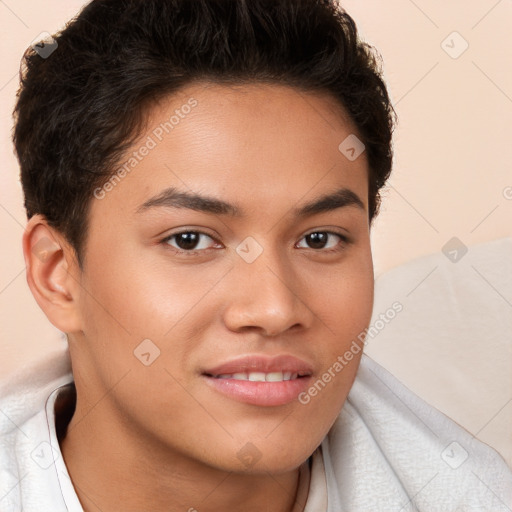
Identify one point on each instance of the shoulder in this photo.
(26, 452)
(24, 394)
(388, 448)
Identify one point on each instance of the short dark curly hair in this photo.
(81, 108)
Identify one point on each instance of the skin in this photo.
(157, 436)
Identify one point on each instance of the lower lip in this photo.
(260, 393)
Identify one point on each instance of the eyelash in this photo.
(344, 241)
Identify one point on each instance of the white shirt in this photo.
(387, 451)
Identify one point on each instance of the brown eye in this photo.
(317, 240)
(326, 240)
(188, 241)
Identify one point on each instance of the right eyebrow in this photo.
(173, 198)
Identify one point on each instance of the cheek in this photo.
(344, 298)
(119, 304)
(346, 309)
(343, 301)
(134, 295)
(130, 298)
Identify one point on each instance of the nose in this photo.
(266, 295)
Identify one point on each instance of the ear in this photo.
(53, 274)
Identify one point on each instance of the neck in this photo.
(108, 464)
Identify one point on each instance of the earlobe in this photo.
(50, 265)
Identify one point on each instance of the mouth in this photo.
(261, 376)
(260, 380)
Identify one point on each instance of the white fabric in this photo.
(387, 451)
(452, 342)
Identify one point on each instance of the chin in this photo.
(260, 455)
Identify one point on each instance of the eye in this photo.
(188, 241)
(191, 242)
(325, 240)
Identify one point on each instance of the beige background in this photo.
(453, 171)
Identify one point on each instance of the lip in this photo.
(261, 393)
(260, 363)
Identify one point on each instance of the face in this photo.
(206, 321)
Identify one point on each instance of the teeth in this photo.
(274, 377)
(257, 377)
(260, 376)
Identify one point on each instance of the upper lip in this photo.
(261, 363)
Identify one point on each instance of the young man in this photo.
(200, 179)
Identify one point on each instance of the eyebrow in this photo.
(174, 198)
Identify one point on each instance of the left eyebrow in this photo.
(339, 199)
(174, 198)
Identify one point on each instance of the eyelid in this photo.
(331, 231)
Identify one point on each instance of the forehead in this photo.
(249, 142)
